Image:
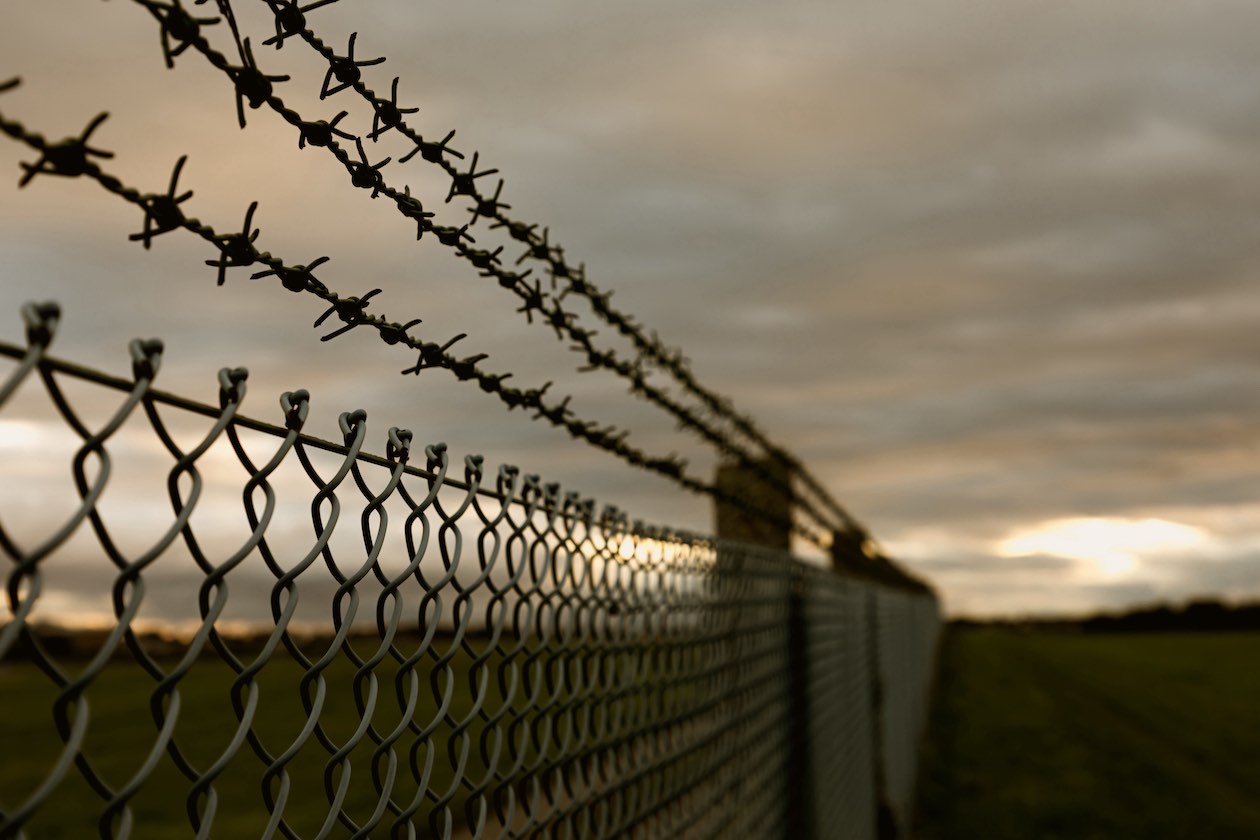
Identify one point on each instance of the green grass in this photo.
(121, 732)
(1043, 735)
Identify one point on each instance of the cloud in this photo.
(979, 265)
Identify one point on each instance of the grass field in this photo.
(533, 695)
(121, 732)
(1043, 735)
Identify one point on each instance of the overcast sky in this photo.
(987, 267)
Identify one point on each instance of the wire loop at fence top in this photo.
(43, 319)
(181, 32)
(553, 673)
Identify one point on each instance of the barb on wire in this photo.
(482, 259)
(413, 209)
(433, 152)
(290, 18)
(68, 158)
(297, 278)
(488, 207)
(465, 183)
(161, 212)
(649, 348)
(347, 70)
(179, 28)
(466, 368)
(532, 299)
(353, 311)
(395, 333)
(519, 231)
(252, 85)
(451, 236)
(434, 355)
(387, 113)
(236, 250)
(559, 319)
(320, 133)
(537, 248)
(366, 174)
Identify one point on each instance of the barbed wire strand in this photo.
(254, 86)
(257, 89)
(620, 681)
(72, 157)
(291, 21)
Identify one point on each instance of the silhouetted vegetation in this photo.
(1198, 616)
(1201, 615)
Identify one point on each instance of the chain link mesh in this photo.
(302, 639)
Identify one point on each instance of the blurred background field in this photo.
(121, 733)
(1053, 733)
(1036, 732)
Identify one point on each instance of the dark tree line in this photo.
(1207, 615)
(1200, 615)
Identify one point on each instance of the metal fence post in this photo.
(801, 808)
(886, 820)
(734, 523)
(554, 674)
(743, 482)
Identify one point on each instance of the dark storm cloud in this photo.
(979, 264)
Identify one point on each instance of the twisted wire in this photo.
(257, 88)
(291, 22)
(129, 591)
(566, 673)
(72, 158)
(618, 679)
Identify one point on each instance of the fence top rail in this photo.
(511, 488)
(726, 430)
(527, 491)
(122, 383)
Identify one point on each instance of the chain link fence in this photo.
(228, 627)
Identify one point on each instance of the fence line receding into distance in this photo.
(498, 658)
(715, 420)
(294, 637)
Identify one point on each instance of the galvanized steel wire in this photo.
(493, 657)
(723, 429)
(506, 661)
(71, 157)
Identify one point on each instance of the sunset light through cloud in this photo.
(1013, 334)
(1114, 546)
(484, 420)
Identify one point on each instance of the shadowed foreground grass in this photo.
(121, 733)
(531, 714)
(1044, 735)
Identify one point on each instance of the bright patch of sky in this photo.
(1114, 547)
(987, 268)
